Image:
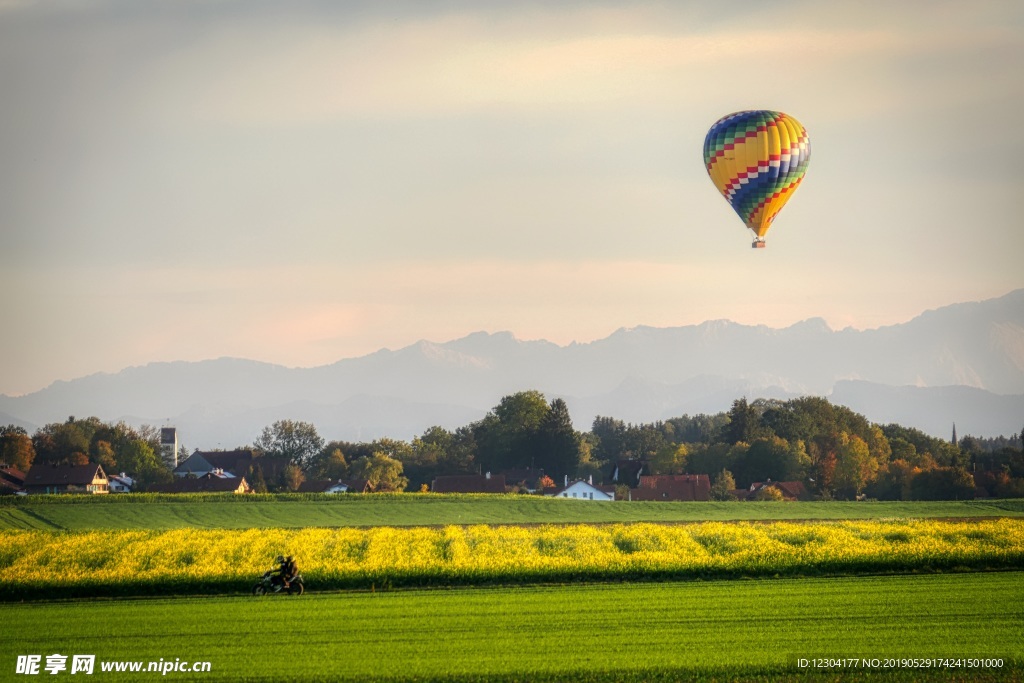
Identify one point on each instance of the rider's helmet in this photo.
(279, 560)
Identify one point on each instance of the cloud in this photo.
(253, 73)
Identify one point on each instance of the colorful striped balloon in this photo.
(757, 159)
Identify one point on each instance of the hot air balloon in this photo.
(757, 159)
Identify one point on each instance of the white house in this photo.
(120, 483)
(583, 490)
(323, 486)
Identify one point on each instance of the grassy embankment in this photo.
(295, 511)
(730, 630)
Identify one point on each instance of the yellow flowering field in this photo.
(34, 563)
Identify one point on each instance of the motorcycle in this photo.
(271, 584)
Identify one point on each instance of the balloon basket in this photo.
(757, 244)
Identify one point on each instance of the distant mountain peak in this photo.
(819, 325)
(641, 373)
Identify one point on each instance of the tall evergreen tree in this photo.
(743, 423)
(557, 442)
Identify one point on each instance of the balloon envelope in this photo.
(757, 159)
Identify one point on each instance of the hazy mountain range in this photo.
(962, 363)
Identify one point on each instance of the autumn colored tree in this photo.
(893, 481)
(769, 493)
(723, 486)
(62, 442)
(16, 448)
(103, 453)
(291, 478)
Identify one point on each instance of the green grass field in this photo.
(721, 630)
(219, 512)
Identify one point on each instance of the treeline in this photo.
(117, 447)
(834, 451)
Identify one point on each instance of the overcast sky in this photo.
(307, 181)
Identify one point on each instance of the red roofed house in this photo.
(469, 483)
(11, 480)
(46, 478)
(672, 487)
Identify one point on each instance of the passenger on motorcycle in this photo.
(289, 570)
(284, 570)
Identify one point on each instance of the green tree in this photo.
(589, 466)
(609, 435)
(556, 443)
(295, 440)
(383, 473)
(256, 479)
(331, 466)
(506, 436)
(772, 458)
(943, 483)
(138, 459)
(743, 425)
(707, 458)
(670, 459)
(855, 468)
(642, 442)
(699, 428)
(723, 486)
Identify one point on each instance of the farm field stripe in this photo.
(189, 561)
(150, 511)
(728, 630)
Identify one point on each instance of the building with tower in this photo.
(169, 446)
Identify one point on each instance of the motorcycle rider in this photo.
(289, 570)
(280, 574)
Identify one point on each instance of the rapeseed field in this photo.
(124, 562)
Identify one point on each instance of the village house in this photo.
(121, 483)
(469, 483)
(12, 480)
(627, 472)
(522, 479)
(582, 490)
(322, 486)
(685, 487)
(46, 478)
(227, 464)
(208, 483)
(200, 463)
(790, 490)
